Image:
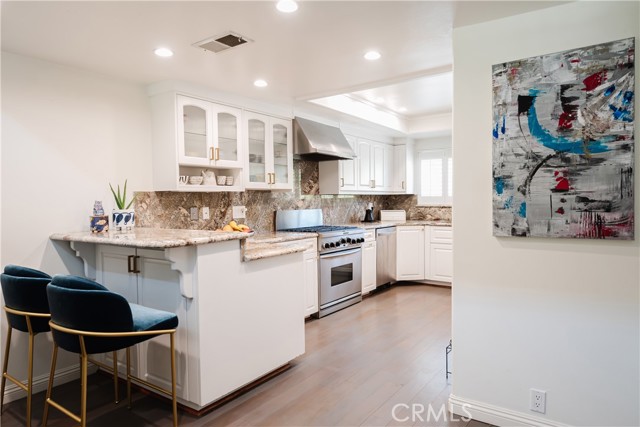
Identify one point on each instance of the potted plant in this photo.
(123, 218)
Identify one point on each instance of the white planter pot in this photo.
(123, 219)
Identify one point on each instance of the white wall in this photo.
(66, 134)
(557, 315)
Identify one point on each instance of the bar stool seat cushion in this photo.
(24, 289)
(82, 304)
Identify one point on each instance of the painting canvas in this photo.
(563, 144)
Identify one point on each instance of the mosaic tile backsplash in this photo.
(171, 209)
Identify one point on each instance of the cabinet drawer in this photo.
(441, 234)
(369, 235)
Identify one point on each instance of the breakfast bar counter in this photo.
(238, 301)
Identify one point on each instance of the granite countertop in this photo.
(279, 236)
(379, 224)
(152, 237)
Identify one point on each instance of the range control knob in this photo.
(332, 245)
(326, 246)
(360, 240)
(343, 241)
(348, 239)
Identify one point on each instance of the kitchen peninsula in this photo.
(239, 305)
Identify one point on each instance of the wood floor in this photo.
(359, 364)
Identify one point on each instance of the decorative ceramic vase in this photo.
(123, 219)
(99, 223)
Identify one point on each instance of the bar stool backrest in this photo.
(25, 289)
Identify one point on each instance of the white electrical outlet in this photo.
(538, 402)
(194, 213)
(205, 213)
(239, 212)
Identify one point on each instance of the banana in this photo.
(227, 228)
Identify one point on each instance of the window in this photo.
(436, 177)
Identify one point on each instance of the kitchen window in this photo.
(436, 177)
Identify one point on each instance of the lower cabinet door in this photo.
(368, 267)
(441, 258)
(410, 247)
(159, 288)
(310, 283)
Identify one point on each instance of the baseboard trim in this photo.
(496, 415)
(40, 383)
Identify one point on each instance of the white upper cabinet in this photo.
(195, 138)
(269, 152)
(403, 169)
(208, 134)
(339, 176)
(374, 164)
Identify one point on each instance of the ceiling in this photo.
(314, 52)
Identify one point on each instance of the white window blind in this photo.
(436, 177)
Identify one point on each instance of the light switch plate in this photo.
(205, 212)
(194, 213)
(239, 212)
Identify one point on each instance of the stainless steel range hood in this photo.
(319, 142)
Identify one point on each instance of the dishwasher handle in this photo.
(385, 231)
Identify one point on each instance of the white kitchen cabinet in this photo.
(410, 246)
(339, 176)
(368, 266)
(270, 152)
(403, 169)
(310, 259)
(374, 166)
(439, 254)
(145, 277)
(192, 135)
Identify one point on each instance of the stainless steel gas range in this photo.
(339, 253)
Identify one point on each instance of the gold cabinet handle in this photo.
(217, 154)
(341, 182)
(212, 155)
(132, 264)
(273, 178)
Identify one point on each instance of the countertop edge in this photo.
(161, 241)
(268, 250)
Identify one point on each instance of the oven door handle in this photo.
(341, 253)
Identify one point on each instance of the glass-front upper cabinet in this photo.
(270, 155)
(282, 154)
(208, 134)
(257, 146)
(194, 131)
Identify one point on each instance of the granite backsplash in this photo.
(170, 209)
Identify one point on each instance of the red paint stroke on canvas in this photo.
(594, 80)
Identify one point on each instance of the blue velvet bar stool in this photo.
(87, 318)
(25, 298)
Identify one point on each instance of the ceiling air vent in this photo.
(217, 44)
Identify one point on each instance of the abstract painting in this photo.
(563, 144)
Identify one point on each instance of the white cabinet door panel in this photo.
(441, 262)
(410, 245)
(368, 267)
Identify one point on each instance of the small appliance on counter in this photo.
(368, 216)
(398, 215)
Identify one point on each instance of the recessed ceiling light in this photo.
(372, 55)
(287, 6)
(163, 52)
(260, 83)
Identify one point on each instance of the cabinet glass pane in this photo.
(228, 136)
(280, 157)
(257, 150)
(195, 131)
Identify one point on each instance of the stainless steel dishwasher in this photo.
(385, 255)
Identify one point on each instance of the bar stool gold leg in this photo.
(128, 377)
(173, 381)
(115, 375)
(54, 358)
(83, 396)
(30, 378)
(5, 366)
